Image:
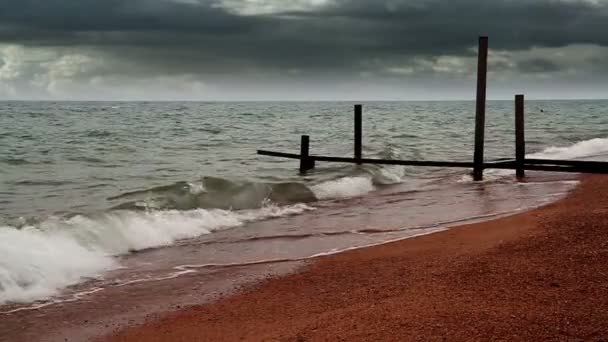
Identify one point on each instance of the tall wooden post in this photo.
(520, 143)
(306, 163)
(480, 113)
(358, 133)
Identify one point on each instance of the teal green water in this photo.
(85, 185)
(69, 157)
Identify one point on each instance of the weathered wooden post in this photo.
(520, 143)
(358, 139)
(306, 163)
(480, 113)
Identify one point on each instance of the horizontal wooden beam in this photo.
(571, 169)
(428, 163)
(278, 154)
(499, 164)
(583, 163)
(531, 164)
(369, 161)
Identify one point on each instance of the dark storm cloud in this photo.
(341, 35)
(537, 65)
(74, 16)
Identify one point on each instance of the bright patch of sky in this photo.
(256, 7)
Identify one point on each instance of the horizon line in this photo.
(295, 100)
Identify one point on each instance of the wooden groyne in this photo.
(520, 164)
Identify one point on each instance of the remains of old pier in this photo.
(519, 164)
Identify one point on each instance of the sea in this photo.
(101, 195)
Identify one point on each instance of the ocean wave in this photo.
(596, 149)
(39, 258)
(35, 264)
(37, 261)
(215, 193)
(16, 161)
(240, 194)
(346, 187)
(387, 174)
(219, 193)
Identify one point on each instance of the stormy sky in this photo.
(300, 49)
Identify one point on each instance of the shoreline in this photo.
(533, 275)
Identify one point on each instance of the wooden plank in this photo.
(394, 162)
(520, 147)
(571, 169)
(358, 131)
(278, 154)
(501, 162)
(580, 163)
(480, 112)
(536, 165)
(369, 160)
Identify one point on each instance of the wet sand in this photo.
(115, 308)
(534, 276)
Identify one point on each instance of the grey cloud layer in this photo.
(339, 34)
(57, 46)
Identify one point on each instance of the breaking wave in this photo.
(596, 149)
(37, 261)
(345, 187)
(220, 193)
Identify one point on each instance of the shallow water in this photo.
(85, 185)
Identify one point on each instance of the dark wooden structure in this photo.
(480, 108)
(358, 132)
(520, 143)
(520, 164)
(306, 163)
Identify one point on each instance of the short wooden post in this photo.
(520, 143)
(306, 163)
(358, 139)
(480, 113)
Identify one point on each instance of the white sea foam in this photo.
(37, 262)
(596, 149)
(589, 148)
(346, 187)
(489, 175)
(389, 175)
(34, 264)
(196, 188)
